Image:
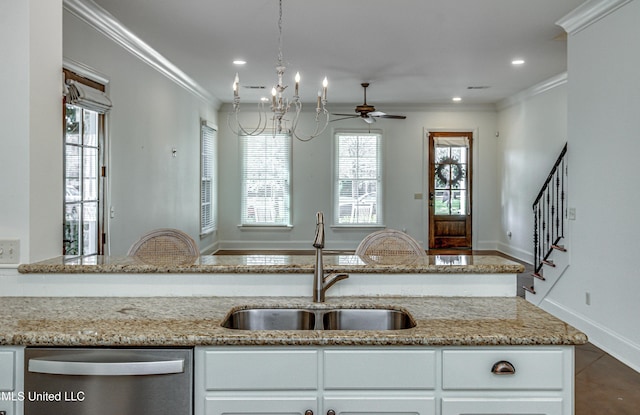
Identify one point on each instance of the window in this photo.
(358, 179)
(266, 180)
(208, 179)
(84, 163)
(82, 180)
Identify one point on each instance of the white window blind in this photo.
(266, 180)
(358, 179)
(208, 182)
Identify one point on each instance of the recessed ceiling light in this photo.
(239, 62)
(517, 62)
(456, 99)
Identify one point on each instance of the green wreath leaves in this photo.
(453, 177)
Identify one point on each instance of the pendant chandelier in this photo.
(280, 105)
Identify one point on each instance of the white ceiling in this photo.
(413, 52)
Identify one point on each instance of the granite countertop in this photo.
(272, 263)
(193, 321)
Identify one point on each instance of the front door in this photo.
(450, 190)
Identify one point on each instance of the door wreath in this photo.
(456, 173)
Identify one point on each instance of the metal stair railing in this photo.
(549, 213)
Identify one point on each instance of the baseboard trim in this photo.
(611, 342)
(517, 253)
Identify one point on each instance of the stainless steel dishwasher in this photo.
(96, 381)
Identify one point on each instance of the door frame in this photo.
(425, 178)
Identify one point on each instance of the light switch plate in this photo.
(9, 251)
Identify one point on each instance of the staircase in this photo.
(550, 214)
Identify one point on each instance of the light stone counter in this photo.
(273, 263)
(180, 321)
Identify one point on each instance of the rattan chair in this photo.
(389, 246)
(165, 247)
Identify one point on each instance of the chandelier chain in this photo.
(280, 56)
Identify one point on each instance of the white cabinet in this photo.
(507, 380)
(273, 404)
(11, 380)
(502, 406)
(320, 380)
(314, 381)
(379, 404)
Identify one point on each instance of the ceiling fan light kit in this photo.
(280, 105)
(368, 112)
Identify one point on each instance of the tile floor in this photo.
(603, 385)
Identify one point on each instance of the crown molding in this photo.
(530, 92)
(105, 23)
(588, 13)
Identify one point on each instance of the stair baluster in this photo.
(549, 211)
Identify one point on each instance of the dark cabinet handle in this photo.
(503, 368)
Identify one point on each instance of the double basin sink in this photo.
(318, 319)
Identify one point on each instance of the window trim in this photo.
(207, 228)
(379, 223)
(89, 76)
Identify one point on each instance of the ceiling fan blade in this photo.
(350, 117)
(397, 117)
(377, 114)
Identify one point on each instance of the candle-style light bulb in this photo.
(325, 83)
(273, 96)
(236, 82)
(297, 79)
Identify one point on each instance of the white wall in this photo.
(604, 144)
(30, 114)
(151, 115)
(403, 177)
(533, 130)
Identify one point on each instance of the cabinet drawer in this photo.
(261, 369)
(7, 370)
(541, 369)
(379, 369)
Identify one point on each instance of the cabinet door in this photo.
(264, 405)
(506, 406)
(379, 405)
(11, 380)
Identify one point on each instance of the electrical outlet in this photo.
(9, 251)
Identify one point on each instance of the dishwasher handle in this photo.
(133, 368)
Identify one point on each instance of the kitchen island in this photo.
(473, 346)
(463, 356)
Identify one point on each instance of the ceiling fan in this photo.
(367, 112)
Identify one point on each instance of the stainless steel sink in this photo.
(366, 319)
(318, 319)
(271, 319)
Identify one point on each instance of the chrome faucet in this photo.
(322, 283)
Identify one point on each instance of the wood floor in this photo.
(603, 385)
